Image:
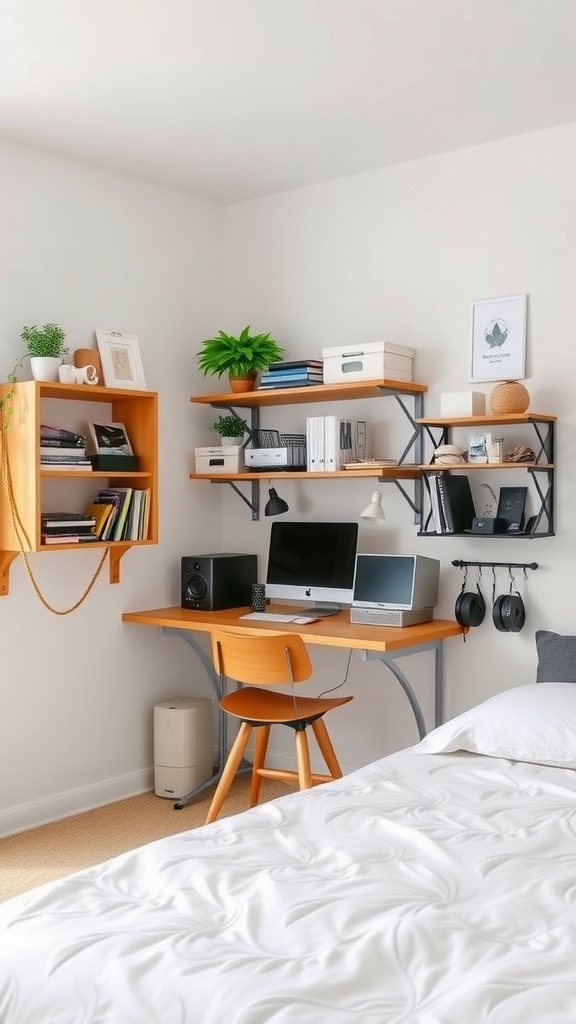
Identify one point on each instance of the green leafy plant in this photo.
(238, 357)
(229, 426)
(44, 341)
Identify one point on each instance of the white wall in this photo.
(397, 254)
(401, 254)
(87, 249)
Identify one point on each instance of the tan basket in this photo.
(509, 397)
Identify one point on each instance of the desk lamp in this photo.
(374, 511)
(275, 506)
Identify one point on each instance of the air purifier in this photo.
(182, 745)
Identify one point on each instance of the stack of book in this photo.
(296, 374)
(62, 449)
(121, 513)
(67, 527)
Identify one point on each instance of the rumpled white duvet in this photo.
(423, 888)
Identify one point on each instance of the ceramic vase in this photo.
(510, 396)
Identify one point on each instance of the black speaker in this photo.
(213, 582)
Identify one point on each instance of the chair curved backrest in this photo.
(261, 660)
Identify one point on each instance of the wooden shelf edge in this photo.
(94, 474)
(467, 467)
(478, 421)
(309, 395)
(378, 473)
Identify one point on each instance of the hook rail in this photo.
(460, 564)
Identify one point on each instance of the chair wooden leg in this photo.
(260, 748)
(326, 748)
(230, 768)
(303, 758)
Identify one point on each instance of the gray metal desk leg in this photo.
(214, 678)
(389, 659)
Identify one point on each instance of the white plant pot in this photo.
(226, 442)
(45, 367)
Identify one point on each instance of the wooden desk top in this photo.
(334, 631)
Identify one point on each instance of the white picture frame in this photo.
(121, 360)
(498, 339)
(109, 439)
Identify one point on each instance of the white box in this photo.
(463, 403)
(378, 360)
(265, 458)
(227, 459)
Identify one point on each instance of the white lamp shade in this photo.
(374, 510)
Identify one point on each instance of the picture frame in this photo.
(109, 439)
(498, 339)
(121, 360)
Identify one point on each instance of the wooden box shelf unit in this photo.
(137, 410)
(538, 432)
(254, 401)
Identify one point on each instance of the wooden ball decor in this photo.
(509, 396)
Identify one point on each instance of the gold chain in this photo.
(20, 531)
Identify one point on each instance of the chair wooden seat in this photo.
(272, 660)
(267, 706)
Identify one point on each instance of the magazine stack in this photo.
(62, 449)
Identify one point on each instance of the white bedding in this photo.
(437, 889)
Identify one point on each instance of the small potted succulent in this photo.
(230, 428)
(239, 357)
(46, 349)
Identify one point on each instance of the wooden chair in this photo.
(274, 659)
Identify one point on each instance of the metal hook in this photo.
(465, 577)
(511, 574)
(493, 583)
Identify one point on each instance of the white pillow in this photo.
(527, 723)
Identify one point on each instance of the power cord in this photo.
(20, 532)
(338, 685)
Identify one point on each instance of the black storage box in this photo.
(114, 463)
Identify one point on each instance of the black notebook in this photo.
(455, 502)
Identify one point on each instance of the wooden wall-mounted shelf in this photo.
(137, 410)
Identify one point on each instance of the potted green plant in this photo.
(230, 427)
(46, 349)
(240, 357)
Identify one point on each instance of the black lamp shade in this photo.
(275, 506)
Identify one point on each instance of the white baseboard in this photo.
(74, 801)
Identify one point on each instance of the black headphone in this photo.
(470, 607)
(508, 613)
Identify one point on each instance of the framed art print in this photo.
(109, 439)
(121, 361)
(498, 342)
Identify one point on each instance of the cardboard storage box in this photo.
(463, 403)
(227, 459)
(376, 361)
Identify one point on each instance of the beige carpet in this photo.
(38, 855)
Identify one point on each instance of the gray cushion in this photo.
(556, 657)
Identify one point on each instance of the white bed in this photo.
(429, 887)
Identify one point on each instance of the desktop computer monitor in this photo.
(405, 582)
(312, 562)
(395, 590)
